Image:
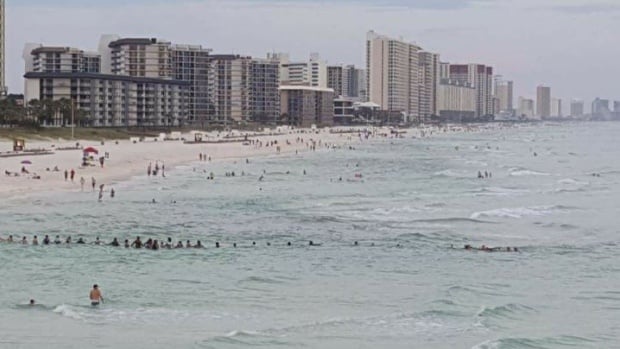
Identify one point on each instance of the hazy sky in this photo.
(570, 45)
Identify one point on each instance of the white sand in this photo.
(128, 159)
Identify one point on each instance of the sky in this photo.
(570, 45)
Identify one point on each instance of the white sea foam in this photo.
(452, 173)
(67, 311)
(570, 181)
(523, 173)
(518, 212)
(501, 191)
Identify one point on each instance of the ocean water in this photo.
(402, 286)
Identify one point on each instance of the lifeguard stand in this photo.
(19, 144)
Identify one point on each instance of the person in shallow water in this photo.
(95, 296)
(137, 243)
(115, 243)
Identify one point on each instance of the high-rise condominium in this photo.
(504, 93)
(392, 67)
(347, 81)
(543, 101)
(576, 108)
(429, 83)
(481, 77)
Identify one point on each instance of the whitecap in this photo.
(522, 173)
(518, 212)
(67, 311)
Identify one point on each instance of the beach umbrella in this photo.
(26, 162)
(91, 150)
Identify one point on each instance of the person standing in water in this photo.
(95, 296)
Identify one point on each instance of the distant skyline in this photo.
(568, 45)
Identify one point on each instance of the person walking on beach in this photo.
(66, 175)
(72, 174)
(93, 182)
(82, 182)
(95, 296)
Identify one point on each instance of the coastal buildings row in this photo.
(151, 82)
(405, 78)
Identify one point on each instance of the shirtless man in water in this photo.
(95, 296)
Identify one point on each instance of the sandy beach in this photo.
(128, 158)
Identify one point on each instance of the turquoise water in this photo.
(401, 287)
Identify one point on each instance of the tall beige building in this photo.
(393, 74)
(429, 82)
(543, 101)
(504, 93)
(2, 49)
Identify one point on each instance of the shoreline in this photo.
(128, 159)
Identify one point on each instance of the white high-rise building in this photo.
(310, 73)
(2, 49)
(504, 93)
(392, 67)
(456, 100)
(526, 108)
(556, 107)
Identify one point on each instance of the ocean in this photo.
(410, 204)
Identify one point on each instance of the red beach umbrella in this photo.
(91, 150)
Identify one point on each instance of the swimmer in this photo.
(115, 243)
(198, 244)
(35, 240)
(188, 244)
(179, 245)
(217, 245)
(97, 241)
(46, 240)
(57, 240)
(95, 296)
(235, 245)
(81, 241)
(24, 241)
(127, 245)
(32, 303)
(68, 240)
(289, 244)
